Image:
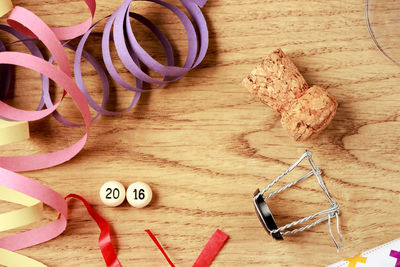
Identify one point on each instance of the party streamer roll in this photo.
(5, 69)
(25, 191)
(22, 184)
(62, 33)
(28, 23)
(120, 22)
(25, 21)
(133, 55)
(80, 53)
(42, 193)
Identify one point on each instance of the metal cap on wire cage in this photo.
(267, 219)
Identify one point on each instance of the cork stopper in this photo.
(308, 115)
(278, 83)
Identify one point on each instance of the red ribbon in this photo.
(207, 255)
(106, 247)
(159, 247)
(211, 250)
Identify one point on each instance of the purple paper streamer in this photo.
(5, 76)
(131, 54)
(123, 46)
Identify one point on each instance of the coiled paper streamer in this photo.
(31, 193)
(10, 131)
(22, 184)
(133, 55)
(42, 193)
(10, 180)
(120, 21)
(29, 24)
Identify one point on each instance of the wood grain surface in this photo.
(205, 145)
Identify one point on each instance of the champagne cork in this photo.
(277, 82)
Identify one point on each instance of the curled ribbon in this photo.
(105, 244)
(70, 32)
(133, 56)
(23, 20)
(130, 53)
(30, 193)
(66, 32)
(120, 23)
(42, 193)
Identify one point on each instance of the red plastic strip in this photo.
(211, 250)
(105, 244)
(207, 256)
(159, 247)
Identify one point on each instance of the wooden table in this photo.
(205, 145)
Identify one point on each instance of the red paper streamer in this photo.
(207, 256)
(159, 247)
(106, 247)
(211, 250)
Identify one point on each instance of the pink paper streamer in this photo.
(47, 196)
(21, 18)
(68, 32)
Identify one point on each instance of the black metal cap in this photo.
(265, 215)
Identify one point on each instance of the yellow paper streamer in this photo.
(5, 6)
(17, 218)
(13, 131)
(12, 259)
